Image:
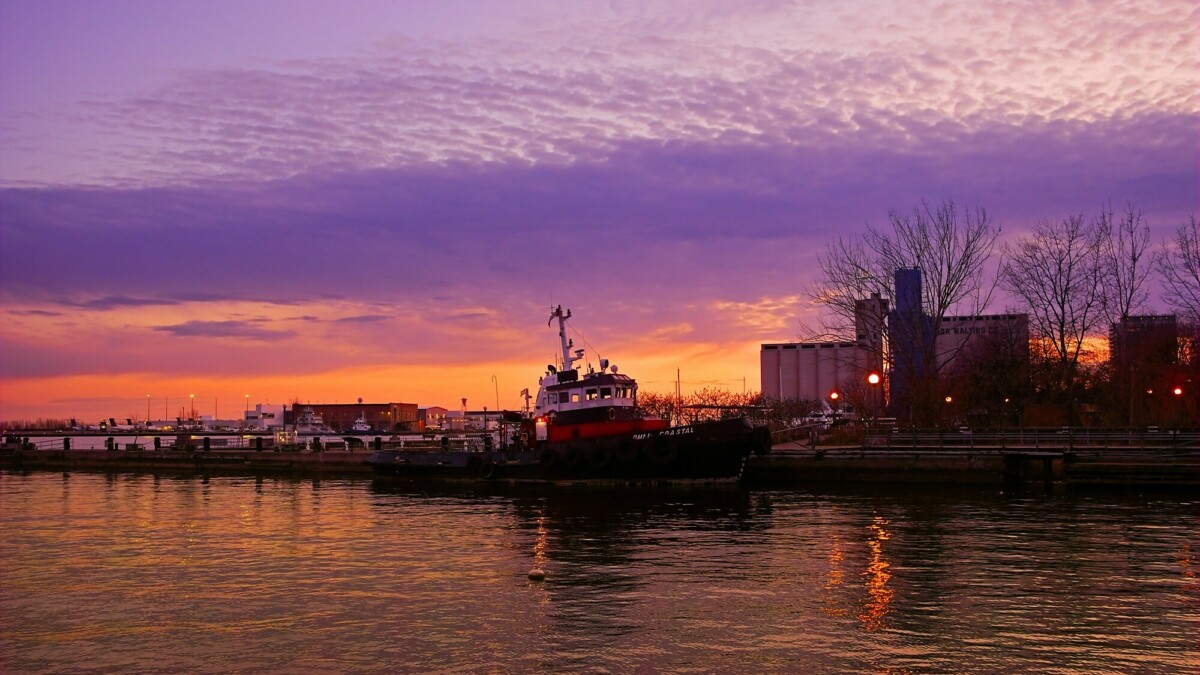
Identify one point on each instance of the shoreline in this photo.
(788, 464)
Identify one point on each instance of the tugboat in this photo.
(587, 427)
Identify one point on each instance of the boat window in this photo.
(591, 394)
(552, 398)
(605, 392)
(574, 397)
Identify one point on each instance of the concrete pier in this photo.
(790, 463)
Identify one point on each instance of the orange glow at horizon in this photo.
(100, 396)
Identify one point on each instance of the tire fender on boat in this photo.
(571, 455)
(488, 469)
(612, 414)
(599, 457)
(664, 451)
(626, 451)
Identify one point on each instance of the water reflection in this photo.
(877, 576)
(832, 602)
(157, 573)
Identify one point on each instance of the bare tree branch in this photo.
(951, 248)
(1058, 272)
(1124, 242)
(1179, 265)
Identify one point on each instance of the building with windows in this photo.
(340, 417)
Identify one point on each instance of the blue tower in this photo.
(911, 335)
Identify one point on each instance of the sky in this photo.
(260, 201)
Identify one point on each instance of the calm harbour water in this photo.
(139, 573)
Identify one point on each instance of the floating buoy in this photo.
(536, 574)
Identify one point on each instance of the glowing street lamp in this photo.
(193, 397)
(1178, 391)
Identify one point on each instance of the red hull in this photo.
(558, 433)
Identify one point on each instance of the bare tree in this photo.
(1124, 241)
(951, 248)
(1058, 271)
(1179, 265)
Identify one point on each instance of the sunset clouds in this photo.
(424, 197)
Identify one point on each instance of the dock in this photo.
(1170, 459)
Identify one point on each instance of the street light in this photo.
(873, 379)
(1178, 391)
(147, 409)
(193, 416)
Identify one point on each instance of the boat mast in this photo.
(567, 359)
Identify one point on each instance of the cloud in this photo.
(770, 76)
(365, 318)
(121, 301)
(247, 330)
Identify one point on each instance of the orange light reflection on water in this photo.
(877, 577)
(539, 546)
(831, 605)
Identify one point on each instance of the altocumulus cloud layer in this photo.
(678, 171)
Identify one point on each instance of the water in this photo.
(138, 573)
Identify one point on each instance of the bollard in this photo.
(377, 443)
(207, 444)
(109, 444)
(258, 444)
(67, 443)
(158, 443)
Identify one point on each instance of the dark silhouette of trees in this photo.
(1058, 272)
(1124, 244)
(1178, 263)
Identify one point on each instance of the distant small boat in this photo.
(361, 426)
(311, 423)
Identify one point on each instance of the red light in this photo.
(873, 378)
(833, 395)
(1178, 391)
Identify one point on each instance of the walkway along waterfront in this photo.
(1109, 457)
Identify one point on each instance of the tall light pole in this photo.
(147, 409)
(193, 413)
(873, 379)
(496, 384)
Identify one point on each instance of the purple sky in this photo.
(327, 200)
